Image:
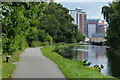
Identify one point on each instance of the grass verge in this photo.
(8, 68)
(71, 69)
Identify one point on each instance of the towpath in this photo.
(33, 64)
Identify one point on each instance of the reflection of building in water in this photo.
(81, 56)
(85, 55)
(96, 52)
(100, 52)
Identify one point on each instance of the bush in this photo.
(44, 43)
(38, 44)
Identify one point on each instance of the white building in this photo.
(79, 17)
(91, 29)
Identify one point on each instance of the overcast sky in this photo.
(83, 0)
(92, 9)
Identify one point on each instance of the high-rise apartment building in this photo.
(73, 13)
(79, 17)
(89, 27)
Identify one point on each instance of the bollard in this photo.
(7, 59)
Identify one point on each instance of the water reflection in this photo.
(96, 55)
(114, 64)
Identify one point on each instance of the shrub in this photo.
(38, 44)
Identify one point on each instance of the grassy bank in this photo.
(8, 68)
(71, 69)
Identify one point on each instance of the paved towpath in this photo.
(33, 64)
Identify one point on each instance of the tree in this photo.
(58, 23)
(49, 39)
(20, 24)
(112, 16)
(25, 23)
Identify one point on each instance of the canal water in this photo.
(95, 55)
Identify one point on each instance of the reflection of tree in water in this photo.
(114, 64)
(71, 54)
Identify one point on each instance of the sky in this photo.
(83, 0)
(91, 7)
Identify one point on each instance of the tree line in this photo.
(28, 23)
(112, 16)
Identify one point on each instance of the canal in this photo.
(96, 55)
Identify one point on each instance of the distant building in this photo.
(94, 29)
(79, 17)
(101, 27)
(73, 13)
(91, 27)
(97, 37)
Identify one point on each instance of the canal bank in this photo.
(96, 55)
(71, 69)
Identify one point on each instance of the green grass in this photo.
(71, 69)
(8, 68)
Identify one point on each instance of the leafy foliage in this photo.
(112, 15)
(58, 23)
(20, 25)
(26, 23)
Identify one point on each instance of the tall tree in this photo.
(112, 16)
(58, 23)
(25, 23)
(20, 24)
